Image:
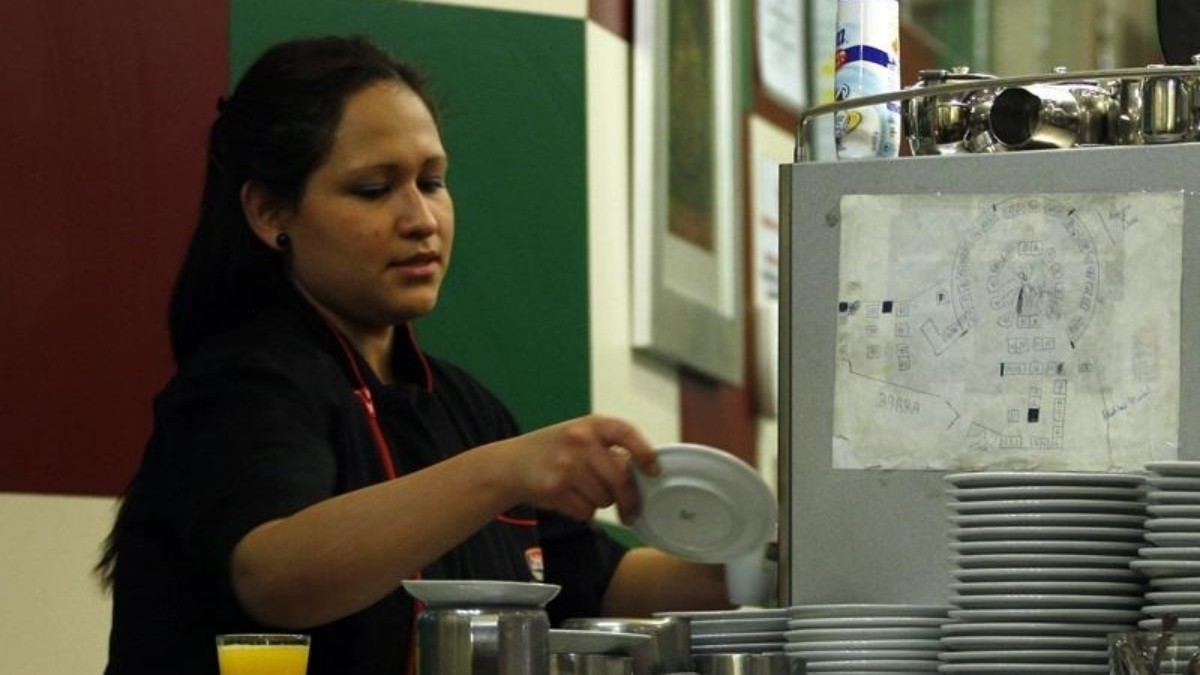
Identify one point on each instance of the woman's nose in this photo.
(415, 216)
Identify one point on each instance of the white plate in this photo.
(1174, 597)
(812, 657)
(1180, 583)
(1047, 506)
(1170, 552)
(594, 641)
(856, 633)
(1167, 568)
(1046, 492)
(1010, 478)
(1054, 587)
(1046, 601)
(1046, 574)
(869, 621)
(1173, 524)
(738, 625)
(1184, 624)
(705, 505)
(1048, 615)
(1021, 668)
(985, 533)
(1174, 510)
(882, 665)
(1078, 656)
(470, 593)
(1084, 547)
(1117, 520)
(1040, 560)
(1181, 611)
(988, 642)
(737, 638)
(741, 648)
(1174, 538)
(1173, 496)
(865, 610)
(1043, 628)
(1179, 468)
(861, 645)
(1173, 483)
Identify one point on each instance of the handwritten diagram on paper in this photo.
(1014, 332)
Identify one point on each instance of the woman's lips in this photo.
(423, 264)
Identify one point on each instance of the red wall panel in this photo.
(104, 115)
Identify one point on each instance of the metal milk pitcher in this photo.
(488, 640)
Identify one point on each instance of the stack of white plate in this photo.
(738, 631)
(866, 638)
(1171, 560)
(1042, 570)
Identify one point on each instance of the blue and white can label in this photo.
(867, 62)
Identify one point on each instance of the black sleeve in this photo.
(582, 559)
(1179, 30)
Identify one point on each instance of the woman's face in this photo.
(371, 237)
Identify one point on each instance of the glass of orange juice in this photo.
(262, 654)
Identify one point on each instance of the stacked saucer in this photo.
(1171, 560)
(738, 631)
(866, 638)
(1042, 570)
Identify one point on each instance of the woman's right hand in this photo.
(581, 465)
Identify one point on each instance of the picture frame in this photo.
(687, 242)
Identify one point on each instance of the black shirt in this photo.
(262, 422)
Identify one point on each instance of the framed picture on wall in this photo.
(687, 231)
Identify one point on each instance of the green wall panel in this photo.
(514, 310)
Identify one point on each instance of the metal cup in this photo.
(667, 651)
(496, 640)
(1166, 111)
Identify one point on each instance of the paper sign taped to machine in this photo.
(1008, 332)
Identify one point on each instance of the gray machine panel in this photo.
(883, 536)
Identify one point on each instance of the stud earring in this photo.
(283, 241)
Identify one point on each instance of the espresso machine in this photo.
(1019, 293)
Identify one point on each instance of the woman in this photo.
(308, 456)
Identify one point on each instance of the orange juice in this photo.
(263, 659)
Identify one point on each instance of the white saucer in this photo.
(861, 645)
(470, 593)
(1046, 601)
(869, 665)
(990, 533)
(1128, 494)
(1050, 587)
(1179, 468)
(1046, 574)
(1173, 538)
(1021, 627)
(1177, 583)
(1174, 597)
(1014, 642)
(1012, 478)
(865, 610)
(1107, 616)
(1022, 669)
(1174, 510)
(1053, 546)
(1173, 483)
(1167, 568)
(817, 656)
(1048, 519)
(1173, 497)
(1047, 506)
(1023, 656)
(594, 641)
(1041, 560)
(870, 621)
(852, 633)
(1170, 552)
(705, 505)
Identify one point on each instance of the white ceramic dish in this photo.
(1034, 628)
(1175, 468)
(1022, 669)
(1066, 478)
(1046, 492)
(815, 656)
(705, 505)
(1046, 574)
(862, 645)
(1117, 520)
(1180, 583)
(1047, 506)
(869, 622)
(1016, 642)
(1041, 560)
(1052, 546)
(1110, 616)
(1167, 568)
(1170, 552)
(1184, 624)
(469, 593)
(1174, 510)
(1134, 589)
(1015, 656)
(865, 610)
(1173, 483)
(990, 533)
(1046, 601)
(1174, 597)
(1173, 497)
(594, 641)
(1173, 538)
(1181, 611)
(881, 665)
(856, 633)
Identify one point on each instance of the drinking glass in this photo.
(262, 654)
